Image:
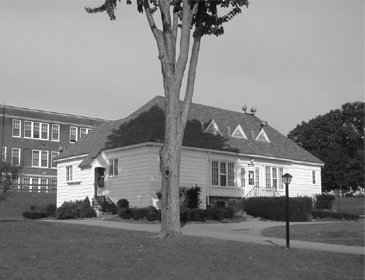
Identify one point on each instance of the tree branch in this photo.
(184, 41)
(191, 80)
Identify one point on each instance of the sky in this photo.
(293, 60)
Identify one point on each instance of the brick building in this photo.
(33, 138)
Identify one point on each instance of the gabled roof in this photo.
(147, 125)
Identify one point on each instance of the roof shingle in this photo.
(147, 125)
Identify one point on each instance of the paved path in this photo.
(248, 231)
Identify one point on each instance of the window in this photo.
(313, 177)
(36, 130)
(257, 180)
(274, 177)
(268, 177)
(39, 158)
(113, 167)
(3, 153)
(53, 156)
(84, 131)
(16, 128)
(53, 184)
(55, 134)
(215, 173)
(15, 156)
(73, 134)
(243, 180)
(35, 184)
(44, 184)
(281, 172)
(224, 175)
(26, 183)
(251, 177)
(44, 130)
(27, 129)
(69, 173)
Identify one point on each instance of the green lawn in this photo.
(20, 202)
(41, 250)
(343, 232)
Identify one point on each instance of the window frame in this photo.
(57, 126)
(113, 167)
(15, 123)
(40, 158)
(273, 178)
(225, 177)
(4, 153)
(69, 173)
(18, 157)
(71, 134)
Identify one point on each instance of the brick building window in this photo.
(73, 134)
(16, 128)
(15, 156)
(55, 134)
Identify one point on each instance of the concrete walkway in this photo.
(248, 231)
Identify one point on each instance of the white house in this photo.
(229, 155)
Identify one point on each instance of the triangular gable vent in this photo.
(212, 128)
(262, 136)
(238, 133)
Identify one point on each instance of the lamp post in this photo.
(286, 180)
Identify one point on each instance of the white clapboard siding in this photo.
(79, 188)
(302, 184)
(136, 169)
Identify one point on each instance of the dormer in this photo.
(213, 128)
(262, 136)
(239, 133)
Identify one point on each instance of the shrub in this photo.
(123, 203)
(125, 213)
(274, 208)
(50, 210)
(68, 210)
(85, 209)
(219, 214)
(33, 215)
(324, 201)
(185, 214)
(139, 213)
(198, 215)
(192, 197)
(334, 215)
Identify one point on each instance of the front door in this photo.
(98, 180)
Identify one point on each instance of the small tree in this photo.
(9, 173)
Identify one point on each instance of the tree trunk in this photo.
(170, 155)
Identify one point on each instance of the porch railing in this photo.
(262, 191)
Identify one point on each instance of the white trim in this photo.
(144, 144)
(240, 131)
(262, 133)
(213, 125)
(70, 158)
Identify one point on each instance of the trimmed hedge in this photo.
(324, 201)
(318, 214)
(149, 213)
(274, 208)
(51, 210)
(33, 215)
